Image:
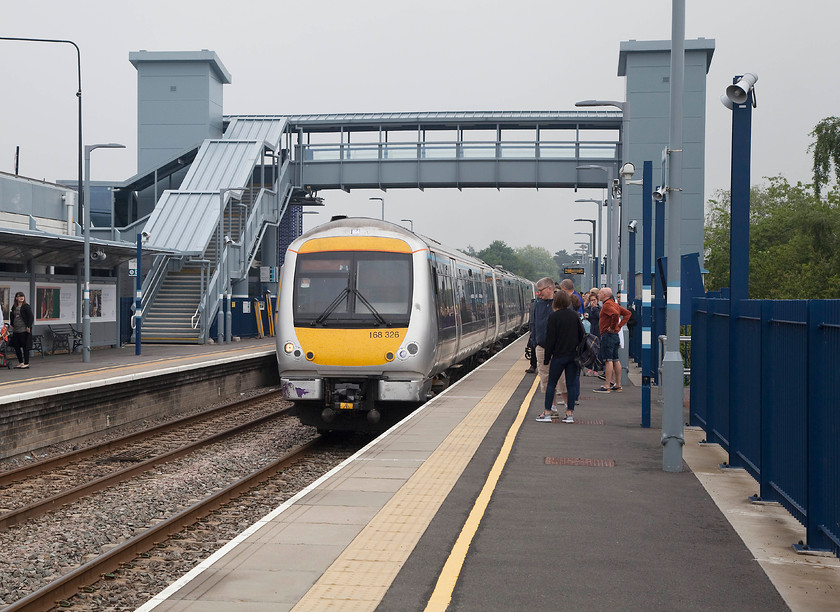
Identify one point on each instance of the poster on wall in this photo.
(96, 303)
(6, 300)
(48, 303)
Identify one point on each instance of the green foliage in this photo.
(540, 259)
(499, 253)
(826, 150)
(794, 242)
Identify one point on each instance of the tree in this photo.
(794, 242)
(562, 258)
(540, 260)
(500, 254)
(826, 150)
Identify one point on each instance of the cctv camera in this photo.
(659, 193)
(627, 170)
(228, 240)
(98, 256)
(739, 92)
(632, 225)
(145, 235)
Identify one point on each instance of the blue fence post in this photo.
(823, 465)
(765, 491)
(647, 269)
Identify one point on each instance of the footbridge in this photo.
(266, 166)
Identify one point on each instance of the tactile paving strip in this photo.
(360, 576)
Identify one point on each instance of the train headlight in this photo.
(288, 347)
(403, 353)
(310, 355)
(412, 348)
(389, 356)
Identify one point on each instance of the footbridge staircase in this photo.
(236, 188)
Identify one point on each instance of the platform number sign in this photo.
(132, 267)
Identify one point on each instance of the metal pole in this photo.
(78, 95)
(138, 295)
(86, 286)
(672, 366)
(647, 218)
(220, 315)
(739, 240)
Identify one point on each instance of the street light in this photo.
(599, 255)
(612, 226)
(86, 228)
(624, 107)
(411, 221)
(592, 251)
(78, 95)
(589, 245)
(383, 205)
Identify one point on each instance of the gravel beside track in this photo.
(38, 551)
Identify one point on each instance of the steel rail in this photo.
(83, 453)
(69, 584)
(70, 495)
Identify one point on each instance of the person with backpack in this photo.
(564, 334)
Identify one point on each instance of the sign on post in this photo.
(132, 267)
(573, 271)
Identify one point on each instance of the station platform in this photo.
(470, 504)
(54, 374)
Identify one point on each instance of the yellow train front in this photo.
(369, 315)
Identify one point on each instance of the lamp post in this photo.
(612, 227)
(588, 246)
(86, 228)
(599, 255)
(80, 195)
(592, 252)
(624, 107)
(382, 200)
(410, 222)
(220, 242)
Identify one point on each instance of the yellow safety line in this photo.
(359, 577)
(445, 586)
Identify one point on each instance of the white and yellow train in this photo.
(370, 315)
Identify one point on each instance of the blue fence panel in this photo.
(744, 389)
(784, 404)
(717, 363)
(823, 527)
(698, 400)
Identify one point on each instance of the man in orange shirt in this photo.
(613, 317)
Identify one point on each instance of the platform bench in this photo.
(63, 336)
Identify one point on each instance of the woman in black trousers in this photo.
(21, 320)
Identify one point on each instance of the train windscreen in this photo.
(353, 289)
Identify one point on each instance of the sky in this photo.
(324, 56)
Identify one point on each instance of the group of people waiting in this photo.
(21, 320)
(558, 318)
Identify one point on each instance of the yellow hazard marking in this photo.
(448, 578)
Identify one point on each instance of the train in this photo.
(372, 318)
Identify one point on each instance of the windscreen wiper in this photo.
(329, 310)
(370, 307)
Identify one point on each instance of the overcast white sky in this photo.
(320, 56)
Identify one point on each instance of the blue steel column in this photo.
(739, 245)
(138, 295)
(647, 217)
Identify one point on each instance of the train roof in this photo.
(350, 226)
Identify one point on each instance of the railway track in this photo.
(58, 592)
(88, 470)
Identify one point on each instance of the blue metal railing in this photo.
(764, 386)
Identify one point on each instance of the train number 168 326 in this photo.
(385, 334)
